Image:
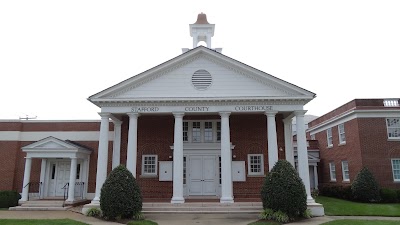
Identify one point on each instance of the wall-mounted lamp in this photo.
(170, 157)
(234, 156)
(280, 149)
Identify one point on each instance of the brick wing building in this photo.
(360, 133)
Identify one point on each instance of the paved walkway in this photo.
(181, 219)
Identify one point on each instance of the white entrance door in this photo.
(202, 175)
(59, 176)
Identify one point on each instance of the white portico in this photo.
(202, 83)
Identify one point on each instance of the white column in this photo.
(302, 154)
(177, 196)
(42, 177)
(131, 157)
(27, 177)
(102, 156)
(288, 140)
(72, 179)
(226, 160)
(315, 177)
(116, 158)
(272, 139)
(85, 173)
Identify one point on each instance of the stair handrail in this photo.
(39, 185)
(66, 187)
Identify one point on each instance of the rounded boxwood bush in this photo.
(388, 195)
(284, 191)
(120, 195)
(365, 188)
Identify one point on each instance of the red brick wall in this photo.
(349, 152)
(377, 151)
(8, 159)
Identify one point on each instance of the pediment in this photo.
(54, 144)
(174, 79)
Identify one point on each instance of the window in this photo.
(201, 131)
(78, 171)
(208, 131)
(396, 169)
(218, 131)
(196, 132)
(329, 137)
(342, 136)
(184, 169)
(345, 171)
(332, 171)
(149, 165)
(393, 128)
(312, 136)
(185, 131)
(255, 164)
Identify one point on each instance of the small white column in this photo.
(226, 160)
(287, 123)
(72, 179)
(42, 177)
(27, 177)
(302, 154)
(85, 168)
(272, 139)
(102, 156)
(131, 157)
(316, 177)
(177, 196)
(116, 158)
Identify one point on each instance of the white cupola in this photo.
(201, 30)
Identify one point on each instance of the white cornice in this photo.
(353, 114)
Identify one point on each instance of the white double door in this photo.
(59, 174)
(203, 174)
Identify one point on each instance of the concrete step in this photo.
(37, 208)
(203, 207)
(43, 203)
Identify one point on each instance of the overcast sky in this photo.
(55, 54)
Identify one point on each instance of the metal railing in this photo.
(34, 189)
(79, 189)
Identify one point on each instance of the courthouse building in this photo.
(201, 125)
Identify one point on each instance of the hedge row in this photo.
(344, 192)
(9, 199)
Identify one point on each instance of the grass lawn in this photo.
(142, 222)
(40, 222)
(362, 222)
(339, 207)
(262, 222)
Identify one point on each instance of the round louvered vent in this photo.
(201, 79)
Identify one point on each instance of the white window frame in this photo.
(332, 171)
(215, 131)
(344, 171)
(393, 169)
(392, 128)
(249, 164)
(329, 137)
(342, 139)
(312, 136)
(144, 173)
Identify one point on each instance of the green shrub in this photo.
(281, 217)
(398, 195)
(9, 199)
(94, 212)
(120, 195)
(307, 214)
(365, 188)
(336, 191)
(388, 195)
(267, 214)
(284, 191)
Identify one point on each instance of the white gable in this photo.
(173, 80)
(52, 145)
(225, 82)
